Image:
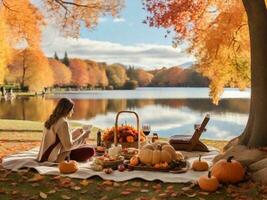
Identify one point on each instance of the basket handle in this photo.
(116, 126)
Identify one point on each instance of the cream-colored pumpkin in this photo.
(152, 154)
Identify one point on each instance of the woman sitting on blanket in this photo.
(58, 142)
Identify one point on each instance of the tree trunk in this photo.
(23, 71)
(255, 133)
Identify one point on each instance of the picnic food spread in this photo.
(155, 156)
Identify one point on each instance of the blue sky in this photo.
(128, 29)
(124, 39)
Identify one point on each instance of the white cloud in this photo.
(118, 20)
(149, 56)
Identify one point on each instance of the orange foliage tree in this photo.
(97, 74)
(31, 68)
(116, 75)
(22, 22)
(222, 34)
(218, 40)
(80, 76)
(62, 74)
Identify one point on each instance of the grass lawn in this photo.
(29, 185)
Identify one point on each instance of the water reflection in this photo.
(166, 116)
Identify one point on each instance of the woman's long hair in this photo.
(62, 109)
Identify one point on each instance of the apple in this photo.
(121, 167)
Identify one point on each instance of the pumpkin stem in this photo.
(230, 158)
(199, 158)
(209, 174)
(68, 158)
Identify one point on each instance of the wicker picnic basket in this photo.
(136, 144)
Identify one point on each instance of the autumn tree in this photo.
(61, 73)
(218, 33)
(22, 22)
(31, 69)
(116, 75)
(142, 77)
(97, 74)
(80, 76)
(168, 77)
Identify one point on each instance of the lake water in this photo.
(168, 110)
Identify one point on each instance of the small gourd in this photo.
(228, 171)
(68, 166)
(208, 183)
(134, 161)
(200, 165)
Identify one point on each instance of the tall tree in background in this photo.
(80, 76)
(32, 70)
(61, 73)
(56, 56)
(116, 75)
(66, 60)
(218, 32)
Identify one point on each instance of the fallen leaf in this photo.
(125, 193)
(43, 195)
(36, 178)
(14, 192)
(104, 197)
(52, 192)
(108, 183)
(65, 197)
(136, 184)
(76, 188)
(203, 193)
(108, 189)
(190, 195)
(163, 195)
(85, 182)
(144, 191)
(116, 184)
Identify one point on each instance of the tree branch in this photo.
(5, 4)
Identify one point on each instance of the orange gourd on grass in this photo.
(208, 183)
(200, 165)
(228, 171)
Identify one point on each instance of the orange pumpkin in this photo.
(68, 167)
(134, 161)
(228, 171)
(200, 165)
(208, 183)
(130, 139)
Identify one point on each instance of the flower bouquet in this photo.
(127, 136)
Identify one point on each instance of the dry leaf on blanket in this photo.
(36, 178)
(43, 195)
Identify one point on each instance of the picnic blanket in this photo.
(27, 159)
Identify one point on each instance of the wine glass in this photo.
(146, 129)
